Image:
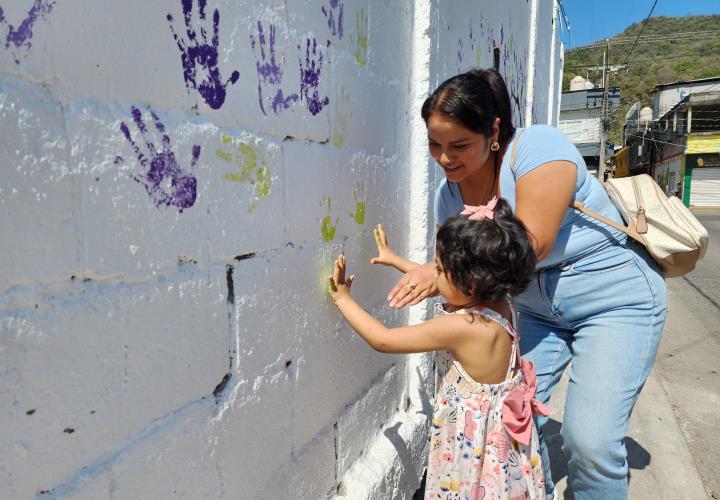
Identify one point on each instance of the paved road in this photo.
(688, 363)
(674, 436)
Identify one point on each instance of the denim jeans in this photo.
(603, 315)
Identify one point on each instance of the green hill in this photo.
(670, 49)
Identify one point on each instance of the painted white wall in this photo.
(159, 342)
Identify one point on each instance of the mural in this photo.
(19, 39)
(334, 15)
(327, 227)
(188, 280)
(200, 56)
(166, 182)
(483, 42)
(340, 118)
(360, 201)
(310, 72)
(360, 40)
(252, 166)
(269, 72)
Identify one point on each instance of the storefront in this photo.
(702, 170)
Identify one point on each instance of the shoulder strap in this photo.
(630, 230)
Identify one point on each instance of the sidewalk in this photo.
(661, 466)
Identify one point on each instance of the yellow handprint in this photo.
(361, 27)
(359, 215)
(246, 159)
(328, 228)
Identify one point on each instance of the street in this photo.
(674, 437)
(689, 358)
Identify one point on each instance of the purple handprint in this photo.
(269, 72)
(196, 53)
(336, 9)
(22, 36)
(310, 78)
(164, 180)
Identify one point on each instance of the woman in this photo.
(596, 300)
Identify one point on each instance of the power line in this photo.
(650, 59)
(655, 140)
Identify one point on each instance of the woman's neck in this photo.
(479, 188)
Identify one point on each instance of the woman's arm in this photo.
(542, 197)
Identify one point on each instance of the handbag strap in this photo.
(630, 230)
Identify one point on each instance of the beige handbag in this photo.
(662, 224)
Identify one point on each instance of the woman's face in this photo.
(459, 151)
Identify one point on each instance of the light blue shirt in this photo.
(539, 144)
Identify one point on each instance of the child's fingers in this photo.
(383, 237)
(338, 271)
(350, 280)
(331, 284)
(376, 233)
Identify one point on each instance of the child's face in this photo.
(447, 288)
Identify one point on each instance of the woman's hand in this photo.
(386, 256)
(339, 287)
(417, 285)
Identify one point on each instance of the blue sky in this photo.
(592, 20)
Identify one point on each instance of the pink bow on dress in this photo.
(520, 405)
(480, 212)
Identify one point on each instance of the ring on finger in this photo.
(411, 285)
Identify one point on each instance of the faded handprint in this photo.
(246, 159)
(340, 118)
(360, 202)
(198, 55)
(460, 54)
(22, 36)
(328, 228)
(269, 72)
(165, 181)
(310, 78)
(334, 15)
(361, 38)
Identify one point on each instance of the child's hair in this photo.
(487, 259)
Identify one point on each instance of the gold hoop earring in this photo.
(494, 146)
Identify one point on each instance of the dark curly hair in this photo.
(487, 259)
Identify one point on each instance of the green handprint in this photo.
(328, 228)
(361, 43)
(246, 158)
(359, 215)
(340, 118)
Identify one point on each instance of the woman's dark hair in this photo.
(474, 99)
(487, 259)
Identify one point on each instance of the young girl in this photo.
(483, 442)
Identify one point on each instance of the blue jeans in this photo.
(604, 313)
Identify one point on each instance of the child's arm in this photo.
(443, 332)
(386, 256)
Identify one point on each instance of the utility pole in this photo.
(603, 111)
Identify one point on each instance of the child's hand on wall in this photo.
(339, 287)
(386, 256)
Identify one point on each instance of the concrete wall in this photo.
(174, 188)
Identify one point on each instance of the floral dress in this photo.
(483, 442)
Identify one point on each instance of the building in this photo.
(581, 119)
(680, 144)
